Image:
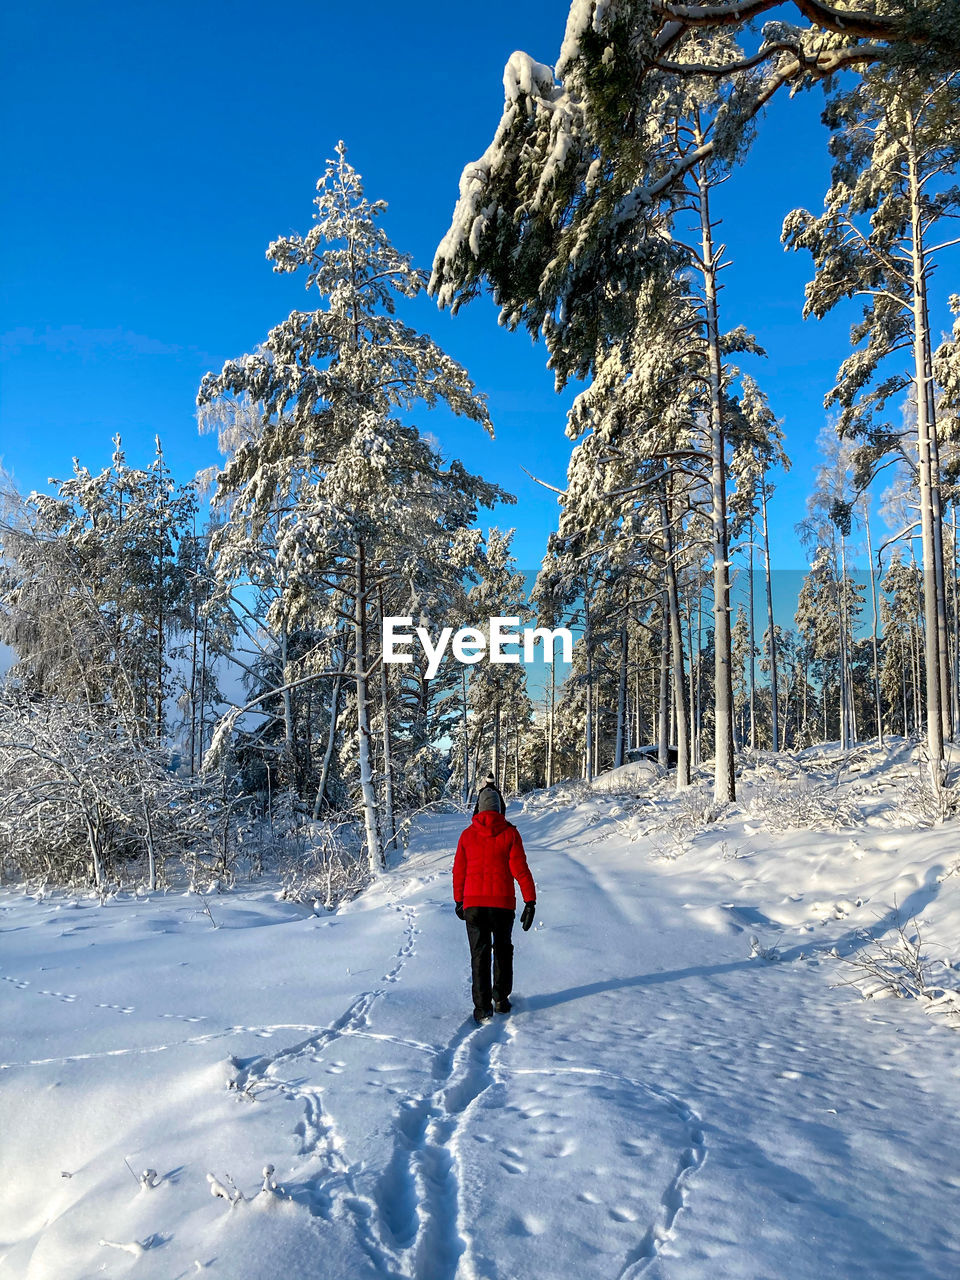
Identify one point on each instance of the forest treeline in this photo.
(202, 687)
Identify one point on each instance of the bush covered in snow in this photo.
(630, 778)
(899, 965)
(84, 803)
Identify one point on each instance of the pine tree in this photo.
(344, 483)
(895, 137)
(759, 449)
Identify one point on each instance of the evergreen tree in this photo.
(896, 136)
(346, 484)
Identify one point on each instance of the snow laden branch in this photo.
(578, 149)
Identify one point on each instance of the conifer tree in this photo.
(347, 483)
(896, 138)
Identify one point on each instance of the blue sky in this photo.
(153, 150)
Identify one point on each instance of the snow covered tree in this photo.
(84, 801)
(579, 155)
(759, 449)
(555, 204)
(827, 528)
(744, 653)
(342, 482)
(497, 697)
(94, 591)
(896, 140)
(901, 613)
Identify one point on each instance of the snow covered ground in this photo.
(662, 1102)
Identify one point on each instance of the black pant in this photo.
(489, 928)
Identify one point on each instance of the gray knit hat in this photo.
(489, 798)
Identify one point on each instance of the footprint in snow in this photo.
(623, 1214)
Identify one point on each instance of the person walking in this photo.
(488, 860)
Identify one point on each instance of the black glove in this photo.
(529, 911)
(458, 907)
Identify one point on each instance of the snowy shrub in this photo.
(82, 802)
(760, 952)
(561, 795)
(628, 779)
(898, 966)
(674, 818)
(787, 804)
(689, 812)
(919, 804)
(325, 866)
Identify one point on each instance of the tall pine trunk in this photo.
(368, 795)
(588, 726)
(389, 815)
(621, 699)
(751, 656)
(331, 738)
(676, 646)
(663, 701)
(933, 604)
(724, 776)
(771, 628)
(876, 623)
(553, 696)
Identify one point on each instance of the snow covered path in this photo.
(659, 1104)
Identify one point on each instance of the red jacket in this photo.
(489, 858)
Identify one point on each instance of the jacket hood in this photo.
(490, 821)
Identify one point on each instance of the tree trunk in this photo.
(203, 685)
(388, 809)
(589, 726)
(465, 731)
(195, 629)
(873, 597)
(724, 776)
(331, 739)
(692, 670)
(621, 699)
(771, 627)
(676, 644)
(663, 714)
(367, 791)
(496, 737)
(933, 607)
(553, 695)
(96, 856)
(751, 657)
(845, 728)
(288, 744)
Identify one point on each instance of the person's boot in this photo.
(502, 1006)
(482, 1015)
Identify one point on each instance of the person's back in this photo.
(489, 859)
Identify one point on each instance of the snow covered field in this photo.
(662, 1102)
